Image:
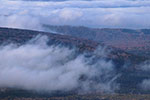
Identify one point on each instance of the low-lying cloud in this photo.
(145, 84)
(39, 67)
(91, 13)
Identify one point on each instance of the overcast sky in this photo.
(92, 13)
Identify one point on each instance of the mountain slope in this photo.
(129, 76)
(134, 41)
(8, 35)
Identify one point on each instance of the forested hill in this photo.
(20, 36)
(129, 77)
(135, 41)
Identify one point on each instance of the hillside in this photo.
(135, 41)
(8, 35)
(129, 77)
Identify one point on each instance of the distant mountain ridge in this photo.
(134, 41)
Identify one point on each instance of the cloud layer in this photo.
(91, 13)
(39, 67)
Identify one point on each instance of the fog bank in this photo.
(39, 67)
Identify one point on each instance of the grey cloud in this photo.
(145, 66)
(145, 84)
(39, 67)
(91, 13)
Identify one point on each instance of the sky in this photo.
(32, 14)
